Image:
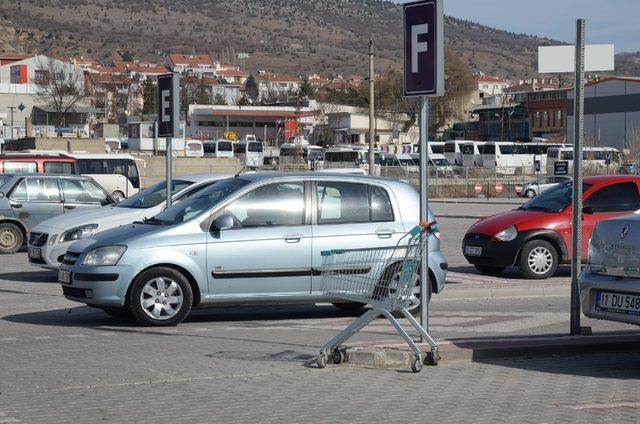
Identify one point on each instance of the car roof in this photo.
(262, 176)
(52, 176)
(610, 179)
(200, 178)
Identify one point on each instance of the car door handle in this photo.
(292, 238)
(70, 207)
(15, 205)
(384, 233)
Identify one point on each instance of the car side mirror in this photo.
(588, 210)
(1, 195)
(223, 222)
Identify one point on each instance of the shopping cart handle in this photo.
(424, 227)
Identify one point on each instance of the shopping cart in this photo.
(383, 277)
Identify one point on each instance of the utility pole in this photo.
(372, 113)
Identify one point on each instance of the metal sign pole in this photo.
(424, 213)
(578, 135)
(169, 173)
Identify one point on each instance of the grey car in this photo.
(610, 282)
(251, 239)
(535, 187)
(27, 200)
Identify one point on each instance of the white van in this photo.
(453, 151)
(194, 149)
(218, 148)
(435, 148)
(472, 153)
(117, 173)
(250, 151)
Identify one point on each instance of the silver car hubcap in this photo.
(414, 297)
(7, 238)
(161, 298)
(540, 260)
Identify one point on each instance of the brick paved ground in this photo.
(64, 363)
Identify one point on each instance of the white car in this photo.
(63, 230)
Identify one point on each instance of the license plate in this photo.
(473, 251)
(64, 276)
(35, 253)
(623, 303)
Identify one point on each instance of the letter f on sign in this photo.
(417, 47)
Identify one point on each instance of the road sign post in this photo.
(557, 59)
(578, 135)
(168, 107)
(423, 78)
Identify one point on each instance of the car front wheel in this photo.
(538, 260)
(530, 193)
(160, 297)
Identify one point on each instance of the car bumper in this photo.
(98, 285)
(591, 283)
(438, 266)
(51, 255)
(494, 253)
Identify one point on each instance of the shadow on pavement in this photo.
(511, 273)
(606, 365)
(85, 316)
(31, 277)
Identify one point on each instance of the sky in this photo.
(608, 21)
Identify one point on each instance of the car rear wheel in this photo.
(160, 297)
(387, 287)
(489, 270)
(11, 238)
(530, 193)
(538, 260)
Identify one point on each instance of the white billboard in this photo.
(556, 59)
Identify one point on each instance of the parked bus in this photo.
(37, 163)
(591, 157)
(250, 151)
(508, 155)
(402, 160)
(218, 148)
(472, 153)
(453, 151)
(435, 148)
(289, 153)
(118, 173)
(343, 156)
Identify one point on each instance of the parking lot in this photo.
(62, 362)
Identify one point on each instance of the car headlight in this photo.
(78, 233)
(104, 256)
(507, 234)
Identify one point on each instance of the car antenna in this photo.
(239, 172)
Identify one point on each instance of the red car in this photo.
(537, 236)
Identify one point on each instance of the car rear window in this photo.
(20, 167)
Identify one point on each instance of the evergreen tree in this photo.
(148, 97)
(251, 88)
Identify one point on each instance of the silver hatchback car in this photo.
(252, 239)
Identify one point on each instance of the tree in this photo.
(148, 97)
(219, 100)
(193, 91)
(251, 88)
(307, 90)
(59, 88)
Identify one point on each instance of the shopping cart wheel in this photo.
(321, 360)
(433, 357)
(337, 356)
(416, 365)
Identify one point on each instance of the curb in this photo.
(497, 292)
(393, 355)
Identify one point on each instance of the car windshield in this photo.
(197, 204)
(153, 196)
(440, 162)
(555, 199)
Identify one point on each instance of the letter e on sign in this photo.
(168, 106)
(423, 48)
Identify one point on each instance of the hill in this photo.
(292, 36)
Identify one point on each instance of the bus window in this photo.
(566, 155)
(255, 147)
(241, 148)
(59, 168)
(552, 154)
(20, 167)
(437, 149)
(225, 146)
(209, 147)
(489, 149)
(91, 166)
(467, 149)
(449, 147)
